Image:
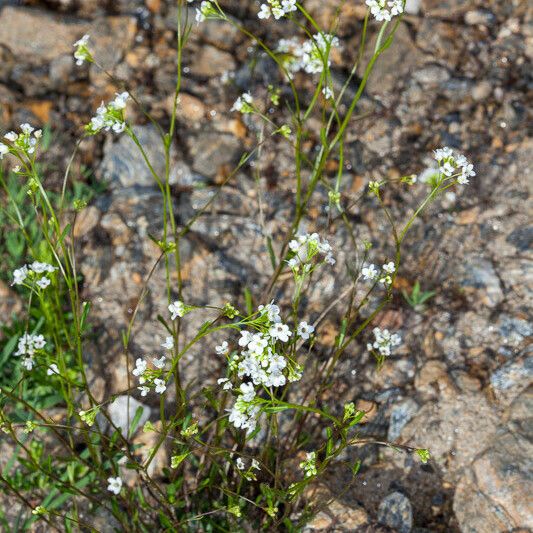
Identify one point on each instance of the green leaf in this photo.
(248, 300)
(275, 409)
(135, 421)
(356, 467)
(176, 460)
(86, 307)
(271, 253)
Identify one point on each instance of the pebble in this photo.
(395, 511)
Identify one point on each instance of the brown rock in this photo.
(370, 408)
(495, 493)
(55, 36)
(211, 61)
(86, 220)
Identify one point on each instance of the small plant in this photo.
(418, 298)
(243, 447)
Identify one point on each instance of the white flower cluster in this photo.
(259, 364)
(244, 104)
(309, 56)
(23, 142)
(82, 52)
(451, 164)
(385, 341)
(208, 9)
(370, 272)
(276, 9)
(27, 346)
(305, 247)
(28, 274)
(385, 9)
(309, 465)
(109, 116)
(152, 376)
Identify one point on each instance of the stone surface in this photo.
(54, 38)
(396, 512)
(122, 411)
(124, 166)
(495, 492)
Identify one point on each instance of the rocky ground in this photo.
(458, 74)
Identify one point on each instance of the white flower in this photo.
(114, 485)
(385, 9)
(327, 92)
(226, 383)
(255, 464)
(247, 391)
(28, 362)
(239, 463)
(271, 310)
(264, 12)
(389, 268)
(11, 136)
(288, 5)
(222, 349)
(169, 343)
(27, 128)
(466, 172)
(246, 338)
(4, 149)
(258, 344)
(43, 282)
(280, 331)
(140, 367)
(442, 153)
(160, 363)
(39, 268)
(177, 309)
(19, 275)
(109, 116)
(305, 330)
(447, 169)
(82, 53)
(369, 272)
(120, 101)
(52, 369)
(27, 344)
(144, 390)
(160, 385)
(243, 104)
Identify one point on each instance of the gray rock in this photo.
(54, 38)
(494, 494)
(400, 415)
(521, 238)
(431, 75)
(514, 330)
(479, 277)
(123, 164)
(122, 411)
(478, 17)
(396, 511)
(413, 6)
(212, 150)
(513, 377)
